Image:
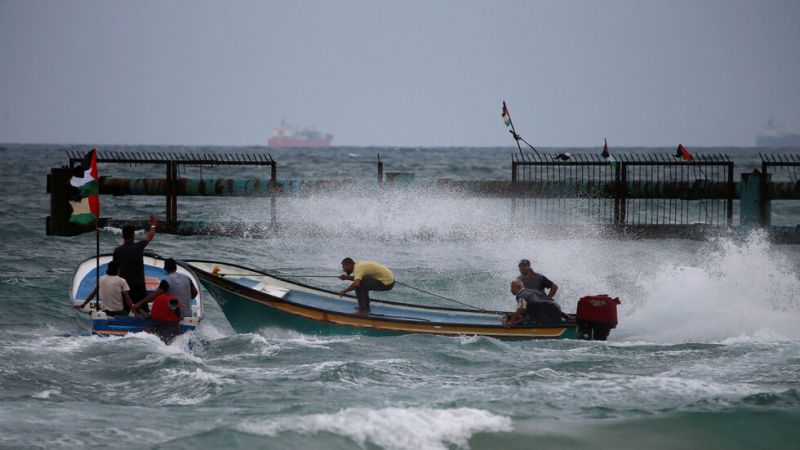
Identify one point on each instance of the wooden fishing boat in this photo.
(252, 299)
(92, 321)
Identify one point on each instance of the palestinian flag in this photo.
(683, 154)
(506, 115)
(86, 204)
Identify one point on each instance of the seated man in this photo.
(165, 314)
(113, 290)
(366, 276)
(176, 284)
(533, 307)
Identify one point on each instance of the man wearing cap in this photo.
(366, 276)
(130, 258)
(535, 281)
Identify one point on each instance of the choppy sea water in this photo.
(707, 353)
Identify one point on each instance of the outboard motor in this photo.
(596, 316)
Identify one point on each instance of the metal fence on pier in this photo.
(625, 189)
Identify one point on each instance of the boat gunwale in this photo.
(86, 315)
(225, 283)
(327, 291)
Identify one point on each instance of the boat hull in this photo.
(101, 325)
(249, 309)
(91, 321)
(298, 143)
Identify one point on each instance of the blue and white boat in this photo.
(92, 321)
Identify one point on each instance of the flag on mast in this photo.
(506, 115)
(683, 154)
(86, 204)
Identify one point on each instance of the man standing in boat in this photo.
(535, 281)
(130, 257)
(365, 276)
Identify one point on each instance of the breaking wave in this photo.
(392, 428)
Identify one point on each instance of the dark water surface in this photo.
(707, 354)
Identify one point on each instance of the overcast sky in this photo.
(405, 73)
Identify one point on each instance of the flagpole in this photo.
(97, 263)
(529, 145)
(517, 137)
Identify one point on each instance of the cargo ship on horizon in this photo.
(775, 136)
(287, 136)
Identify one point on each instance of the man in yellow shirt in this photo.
(366, 276)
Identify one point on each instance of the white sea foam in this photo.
(392, 428)
(47, 393)
(739, 290)
(281, 336)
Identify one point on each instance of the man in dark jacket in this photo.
(130, 258)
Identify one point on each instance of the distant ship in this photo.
(775, 136)
(287, 136)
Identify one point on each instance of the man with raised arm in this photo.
(130, 258)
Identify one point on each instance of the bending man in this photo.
(533, 307)
(366, 276)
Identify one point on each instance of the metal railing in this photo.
(625, 189)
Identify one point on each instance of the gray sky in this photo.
(406, 73)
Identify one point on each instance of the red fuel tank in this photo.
(598, 308)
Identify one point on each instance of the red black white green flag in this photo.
(86, 203)
(506, 115)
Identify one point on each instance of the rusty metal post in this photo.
(273, 198)
(513, 172)
(380, 171)
(514, 206)
(622, 192)
(173, 191)
(764, 213)
(170, 190)
(731, 194)
(617, 192)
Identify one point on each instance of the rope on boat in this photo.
(445, 298)
(408, 286)
(396, 282)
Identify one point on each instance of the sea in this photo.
(706, 354)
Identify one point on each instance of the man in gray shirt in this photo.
(533, 307)
(535, 281)
(177, 284)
